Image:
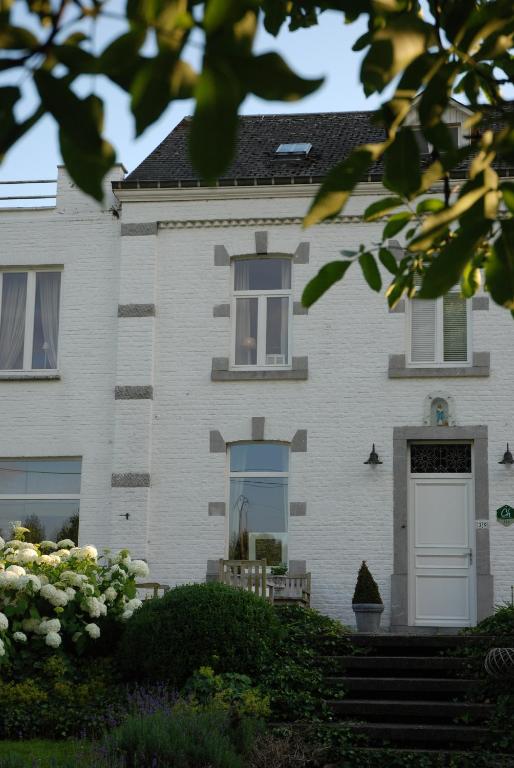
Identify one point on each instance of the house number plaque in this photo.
(505, 515)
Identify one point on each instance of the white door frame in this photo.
(448, 477)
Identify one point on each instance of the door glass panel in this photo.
(46, 519)
(435, 457)
(40, 476)
(266, 457)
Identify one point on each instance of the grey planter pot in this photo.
(367, 616)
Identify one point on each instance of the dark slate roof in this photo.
(333, 136)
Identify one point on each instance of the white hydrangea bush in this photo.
(55, 591)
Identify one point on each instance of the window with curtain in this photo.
(41, 494)
(258, 502)
(29, 320)
(262, 308)
(439, 331)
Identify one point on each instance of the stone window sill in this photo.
(30, 375)
(398, 368)
(221, 372)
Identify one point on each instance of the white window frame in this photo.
(42, 496)
(430, 146)
(231, 474)
(262, 297)
(439, 337)
(30, 309)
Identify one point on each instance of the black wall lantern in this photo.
(507, 457)
(373, 457)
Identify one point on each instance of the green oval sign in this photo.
(505, 515)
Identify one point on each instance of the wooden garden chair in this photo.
(152, 589)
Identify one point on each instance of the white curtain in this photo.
(12, 323)
(246, 331)
(286, 273)
(242, 275)
(277, 326)
(48, 290)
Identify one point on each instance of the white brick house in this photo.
(213, 414)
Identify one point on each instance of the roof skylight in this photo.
(293, 150)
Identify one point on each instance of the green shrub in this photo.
(366, 589)
(230, 691)
(501, 623)
(198, 625)
(185, 738)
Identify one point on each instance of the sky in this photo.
(324, 50)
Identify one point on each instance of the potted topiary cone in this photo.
(367, 603)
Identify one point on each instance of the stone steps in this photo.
(399, 665)
(444, 687)
(401, 711)
(426, 735)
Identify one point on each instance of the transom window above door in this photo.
(439, 331)
(262, 312)
(29, 319)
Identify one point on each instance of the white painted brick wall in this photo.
(347, 403)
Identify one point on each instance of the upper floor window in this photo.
(258, 502)
(29, 319)
(439, 331)
(263, 306)
(425, 147)
(43, 495)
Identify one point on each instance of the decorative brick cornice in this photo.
(265, 222)
(136, 310)
(143, 392)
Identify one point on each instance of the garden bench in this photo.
(154, 587)
(246, 574)
(291, 590)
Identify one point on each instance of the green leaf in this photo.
(121, 61)
(370, 271)
(470, 280)
(447, 267)
(269, 77)
(275, 14)
(499, 267)
(325, 279)
(157, 82)
(76, 59)
(396, 223)
(430, 205)
(402, 172)
(212, 138)
(376, 210)
(507, 190)
(223, 12)
(388, 260)
(9, 95)
(17, 38)
(434, 224)
(338, 185)
(395, 45)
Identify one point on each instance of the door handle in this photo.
(470, 556)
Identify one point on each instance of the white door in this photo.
(441, 537)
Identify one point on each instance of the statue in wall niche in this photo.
(440, 413)
(439, 410)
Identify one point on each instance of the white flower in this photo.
(133, 604)
(93, 630)
(2, 543)
(65, 544)
(75, 579)
(49, 626)
(8, 580)
(127, 615)
(95, 608)
(4, 622)
(70, 592)
(19, 637)
(62, 553)
(48, 545)
(17, 569)
(138, 568)
(47, 591)
(83, 553)
(27, 555)
(110, 594)
(2, 648)
(24, 581)
(49, 559)
(30, 625)
(53, 640)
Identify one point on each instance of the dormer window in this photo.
(297, 150)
